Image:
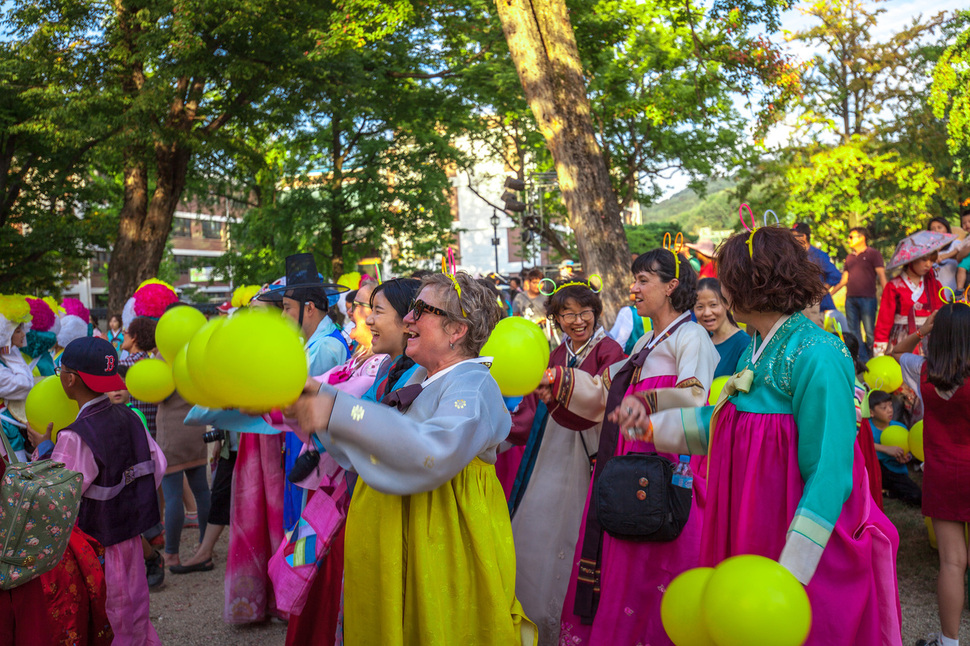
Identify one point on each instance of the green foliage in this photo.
(52, 204)
(644, 237)
(950, 96)
(365, 167)
(855, 184)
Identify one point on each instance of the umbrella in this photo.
(917, 246)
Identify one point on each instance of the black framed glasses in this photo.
(420, 307)
(570, 317)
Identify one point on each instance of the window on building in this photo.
(211, 229)
(182, 228)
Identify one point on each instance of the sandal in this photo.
(204, 566)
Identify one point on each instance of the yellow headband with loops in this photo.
(675, 248)
(445, 260)
(752, 229)
(588, 284)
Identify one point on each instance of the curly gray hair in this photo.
(476, 308)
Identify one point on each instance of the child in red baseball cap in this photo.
(122, 468)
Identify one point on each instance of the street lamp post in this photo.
(495, 220)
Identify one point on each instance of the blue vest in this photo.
(121, 503)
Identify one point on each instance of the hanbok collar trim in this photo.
(580, 354)
(94, 402)
(487, 361)
(657, 338)
(756, 354)
(915, 289)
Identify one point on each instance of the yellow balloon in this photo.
(175, 328)
(716, 387)
(183, 381)
(520, 354)
(895, 436)
(753, 601)
(47, 402)
(680, 608)
(883, 373)
(150, 380)
(198, 367)
(916, 441)
(257, 360)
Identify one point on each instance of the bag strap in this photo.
(11, 456)
(588, 579)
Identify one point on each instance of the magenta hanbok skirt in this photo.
(754, 489)
(635, 575)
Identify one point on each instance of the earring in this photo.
(452, 345)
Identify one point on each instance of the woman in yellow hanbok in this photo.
(429, 553)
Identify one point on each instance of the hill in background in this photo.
(689, 211)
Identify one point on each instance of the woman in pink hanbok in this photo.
(787, 480)
(615, 584)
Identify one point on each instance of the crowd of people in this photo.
(403, 499)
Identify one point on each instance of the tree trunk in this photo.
(145, 223)
(543, 47)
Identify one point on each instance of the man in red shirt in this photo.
(862, 268)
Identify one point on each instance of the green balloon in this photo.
(753, 601)
(257, 361)
(520, 354)
(175, 328)
(680, 608)
(47, 402)
(150, 380)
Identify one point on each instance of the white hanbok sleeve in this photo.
(403, 454)
(623, 326)
(16, 379)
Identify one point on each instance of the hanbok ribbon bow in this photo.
(403, 397)
(738, 382)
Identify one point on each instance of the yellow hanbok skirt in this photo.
(433, 568)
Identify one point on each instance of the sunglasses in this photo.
(420, 307)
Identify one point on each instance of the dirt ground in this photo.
(187, 610)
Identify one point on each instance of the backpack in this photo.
(39, 502)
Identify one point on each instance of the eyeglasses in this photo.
(361, 304)
(570, 317)
(420, 307)
(61, 370)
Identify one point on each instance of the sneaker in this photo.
(155, 570)
(191, 519)
(933, 639)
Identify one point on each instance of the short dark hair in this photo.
(852, 345)
(142, 332)
(779, 277)
(948, 347)
(661, 262)
(862, 231)
(877, 397)
(803, 229)
(399, 292)
(535, 272)
(942, 221)
(516, 280)
(583, 296)
(350, 296)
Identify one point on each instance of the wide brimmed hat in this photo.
(302, 281)
(919, 245)
(704, 246)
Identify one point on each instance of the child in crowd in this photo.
(892, 459)
(122, 468)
